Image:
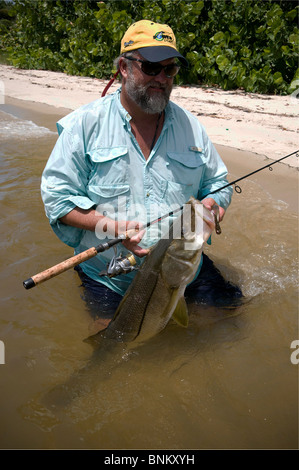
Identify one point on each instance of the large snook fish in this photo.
(155, 295)
(157, 291)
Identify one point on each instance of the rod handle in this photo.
(59, 268)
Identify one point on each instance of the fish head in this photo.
(189, 233)
(197, 224)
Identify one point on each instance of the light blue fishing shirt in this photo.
(97, 163)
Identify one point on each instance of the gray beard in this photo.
(149, 104)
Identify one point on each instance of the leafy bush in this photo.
(248, 44)
(252, 45)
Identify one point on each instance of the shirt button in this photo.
(147, 194)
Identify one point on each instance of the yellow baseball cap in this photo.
(154, 41)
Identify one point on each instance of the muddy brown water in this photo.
(225, 382)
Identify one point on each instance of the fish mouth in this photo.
(201, 211)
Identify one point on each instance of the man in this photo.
(130, 156)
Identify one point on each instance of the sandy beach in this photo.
(247, 129)
(261, 124)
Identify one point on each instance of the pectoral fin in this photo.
(180, 315)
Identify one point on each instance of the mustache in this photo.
(156, 85)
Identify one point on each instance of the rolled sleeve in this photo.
(215, 177)
(63, 185)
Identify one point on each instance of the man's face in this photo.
(151, 93)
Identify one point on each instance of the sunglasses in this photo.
(154, 68)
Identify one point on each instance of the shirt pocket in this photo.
(108, 179)
(109, 166)
(186, 168)
(168, 194)
(178, 194)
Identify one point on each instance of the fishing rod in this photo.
(88, 254)
(94, 251)
(70, 263)
(238, 189)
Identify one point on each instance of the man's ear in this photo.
(123, 67)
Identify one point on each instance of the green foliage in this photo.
(248, 44)
(252, 45)
(5, 18)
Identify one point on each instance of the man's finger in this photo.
(136, 249)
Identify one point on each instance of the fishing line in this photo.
(238, 189)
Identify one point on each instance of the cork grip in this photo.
(59, 268)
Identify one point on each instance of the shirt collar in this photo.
(126, 117)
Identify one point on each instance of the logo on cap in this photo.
(127, 44)
(161, 36)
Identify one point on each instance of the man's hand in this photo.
(209, 203)
(103, 226)
(131, 228)
(134, 233)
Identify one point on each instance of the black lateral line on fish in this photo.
(144, 311)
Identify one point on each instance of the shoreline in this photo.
(281, 184)
(30, 95)
(266, 125)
